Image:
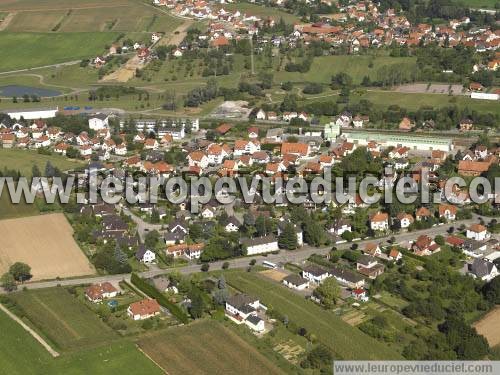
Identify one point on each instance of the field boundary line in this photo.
(151, 359)
(32, 332)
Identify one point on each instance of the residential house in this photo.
(477, 232)
(296, 282)
(144, 309)
(144, 255)
(347, 277)
(372, 249)
(425, 245)
(315, 274)
(447, 211)
(242, 309)
(98, 292)
(482, 269)
(405, 219)
(98, 121)
(260, 245)
(379, 221)
(369, 266)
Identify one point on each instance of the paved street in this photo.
(297, 256)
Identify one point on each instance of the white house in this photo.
(482, 269)
(315, 274)
(260, 245)
(99, 121)
(97, 292)
(145, 255)
(477, 232)
(379, 221)
(198, 159)
(242, 309)
(121, 149)
(294, 281)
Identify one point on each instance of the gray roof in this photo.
(254, 319)
(346, 275)
(315, 270)
(295, 279)
(258, 240)
(366, 260)
(240, 301)
(480, 267)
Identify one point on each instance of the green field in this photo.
(324, 67)
(415, 101)
(86, 15)
(23, 161)
(21, 354)
(28, 50)
(63, 319)
(345, 341)
(480, 4)
(9, 210)
(205, 347)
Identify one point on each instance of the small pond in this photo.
(19, 91)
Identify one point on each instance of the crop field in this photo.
(205, 347)
(86, 16)
(27, 50)
(20, 354)
(46, 244)
(60, 317)
(488, 327)
(324, 67)
(23, 161)
(340, 337)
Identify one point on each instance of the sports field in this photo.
(64, 320)
(20, 354)
(205, 347)
(46, 244)
(344, 341)
(23, 161)
(85, 16)
(27, 50)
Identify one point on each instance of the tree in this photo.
(318, 357)
(328, 292)
(8, 282)
(225, 265)
(50, 171)
(205, 267)
(151, 239)
(288, 237)
(35, 171)
(197, 303)
(20, 271)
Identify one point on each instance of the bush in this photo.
(152, 292)
(225, 265)
(205, 267)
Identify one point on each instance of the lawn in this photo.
(324, 67)
(343, 339)
(23, 161)
(28, 50)
(205, 347)
(64, 320)
(21, 354)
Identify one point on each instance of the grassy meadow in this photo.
(63, 319)
(23, 161)
(21, 354)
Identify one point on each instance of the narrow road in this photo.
(35, 335)
(298, 256)
(142, 226)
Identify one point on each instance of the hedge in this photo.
(160, 298)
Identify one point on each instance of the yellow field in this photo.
(46, 244)
(489, 327)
